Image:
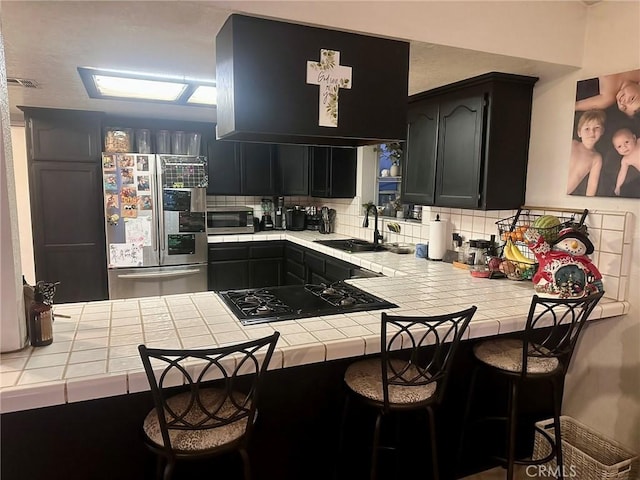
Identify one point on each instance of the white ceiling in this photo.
(45, 41)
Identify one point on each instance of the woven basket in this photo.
(587, 455)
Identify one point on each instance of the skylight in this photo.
(134, 86)
(205, 95)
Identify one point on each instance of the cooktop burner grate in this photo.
(292, 302)
(259, 302)
(341, 294)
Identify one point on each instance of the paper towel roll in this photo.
(437, 239)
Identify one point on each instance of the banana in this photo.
(508, 252)
(519, 256)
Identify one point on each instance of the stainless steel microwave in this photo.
(229, 220)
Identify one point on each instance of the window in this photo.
(388, 174)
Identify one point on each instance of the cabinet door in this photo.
(224, 168)
(63, 136)
(460, 140)
(265, 272)
(342, 173)
(336, 270)
(228, 275)
(68, 228)
(293, 169)
(419, 168)
(319, 171)
(258, 169)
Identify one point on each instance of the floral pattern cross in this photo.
(330, 76)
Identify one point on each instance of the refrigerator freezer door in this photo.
(182, 207)
(155, 281)
(130, 210)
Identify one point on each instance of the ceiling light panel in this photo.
(112, 86)
(203, 95)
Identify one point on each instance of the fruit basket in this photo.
(519, 263)
(511, 229)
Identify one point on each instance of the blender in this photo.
(266, 223)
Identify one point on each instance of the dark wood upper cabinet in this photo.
(468, 143)
(240, 168)
(418, 179)
(293, 169)
(65, 188)
(224, 167)
(459, 152)
(258, 169)
(333, 172)
(64, 135)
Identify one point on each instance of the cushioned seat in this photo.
(408, 379)
(365, 378)
(198, 411)
(506, 354)
(194, 440)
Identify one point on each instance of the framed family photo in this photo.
(605, 148)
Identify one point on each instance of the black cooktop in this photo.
(272, 304)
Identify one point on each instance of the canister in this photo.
(143, 140)
(163, 141)
(179, 143)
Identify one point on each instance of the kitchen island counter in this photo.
(94, 353)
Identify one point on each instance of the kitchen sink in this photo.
(352, 245)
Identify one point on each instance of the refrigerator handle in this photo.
(174, 273)
(160, 234)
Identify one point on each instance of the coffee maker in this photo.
(279, 222)
(266, 223)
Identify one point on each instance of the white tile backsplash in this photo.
(609, 231)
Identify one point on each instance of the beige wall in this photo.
(603, 386)
(22, 199)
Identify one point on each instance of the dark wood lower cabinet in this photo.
(296, 434)
(228, 275)
(272, 263)
(265, 272)
(245, 265)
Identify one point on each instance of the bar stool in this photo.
(214, 411)
(525, 359)
(410, 374)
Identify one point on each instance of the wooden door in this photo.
(419, 166)
(460, 140)
(293, 169)
(68, 228)
(224, 168)
(258, 169)
(342, 173)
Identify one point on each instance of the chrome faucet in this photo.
(377, 236)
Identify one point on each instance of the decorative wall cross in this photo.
(330, 76)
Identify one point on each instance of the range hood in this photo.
(280, 82)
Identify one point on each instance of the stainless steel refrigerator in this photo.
(155, 222)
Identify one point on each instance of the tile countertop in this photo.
(94, 353)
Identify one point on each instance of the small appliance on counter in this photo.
(296, 218)
(313, 218)
(266, 223)
(232, 219)
(280, 221)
